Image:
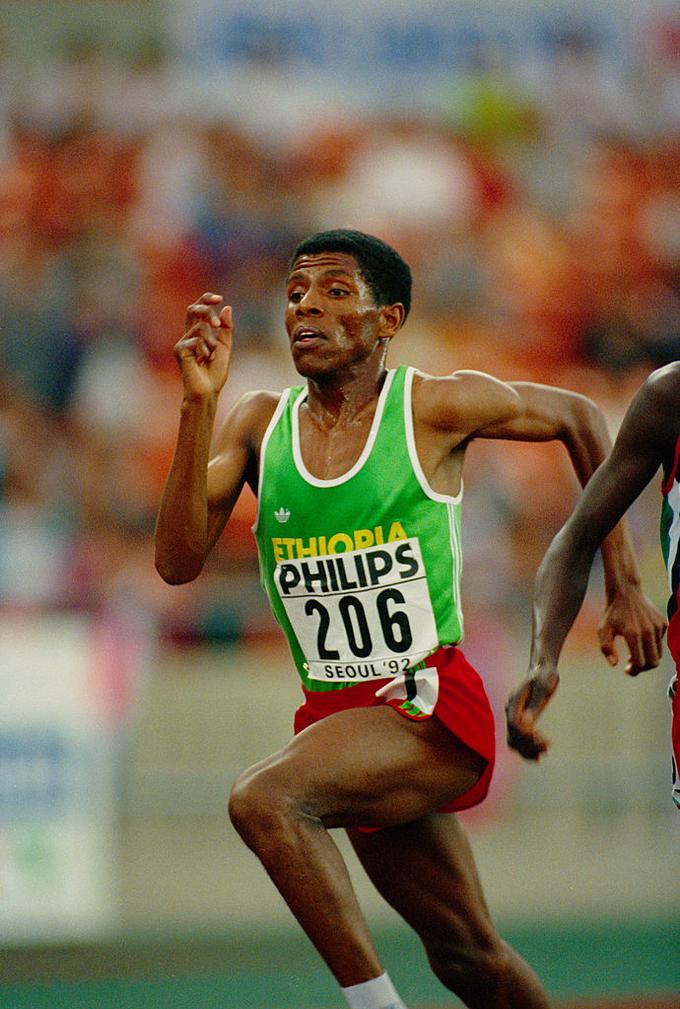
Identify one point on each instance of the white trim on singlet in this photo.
(457, 556)
(280, 407)
(673, 499)
(413, 451)
(365, 452)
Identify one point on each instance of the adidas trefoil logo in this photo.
(282, 515)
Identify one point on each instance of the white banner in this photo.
(62, 684)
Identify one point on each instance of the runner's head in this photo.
(386, 273)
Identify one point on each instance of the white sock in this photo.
(378, 993)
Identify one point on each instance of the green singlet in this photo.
(362, 571)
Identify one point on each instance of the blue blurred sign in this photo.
(431, 39)
(33, 773)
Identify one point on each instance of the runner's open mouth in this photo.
(307, 334)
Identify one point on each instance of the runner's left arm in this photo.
(561, 582)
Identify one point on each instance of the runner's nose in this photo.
(308, 305)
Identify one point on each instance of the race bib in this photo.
(362, 614)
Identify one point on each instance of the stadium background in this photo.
(524, 158)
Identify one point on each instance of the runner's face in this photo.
(332, 319)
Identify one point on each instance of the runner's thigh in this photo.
(371, 766)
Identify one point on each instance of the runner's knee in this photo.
(260, 804)
(251, 802)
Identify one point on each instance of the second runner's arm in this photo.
(562, 578)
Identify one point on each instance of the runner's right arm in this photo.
(203, 487)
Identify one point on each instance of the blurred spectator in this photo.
(540, 210)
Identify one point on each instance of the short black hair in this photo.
(383, 269)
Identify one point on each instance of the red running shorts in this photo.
(447, 687)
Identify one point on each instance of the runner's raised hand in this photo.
(204, 352)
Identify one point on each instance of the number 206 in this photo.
(394, 625)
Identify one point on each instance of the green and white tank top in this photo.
(362, 571)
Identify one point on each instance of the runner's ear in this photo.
(391, 320)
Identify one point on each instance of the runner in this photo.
(359, 479)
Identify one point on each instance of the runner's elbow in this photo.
(174, 573)
(584, 415)
(176, 578)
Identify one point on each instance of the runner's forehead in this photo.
(332, 263)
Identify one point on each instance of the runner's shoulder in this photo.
(652, 421)
(441, 399)
(251, 414)
(662, 387)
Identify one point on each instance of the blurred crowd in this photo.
(540, 214)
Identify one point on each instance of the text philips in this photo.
(342, 573)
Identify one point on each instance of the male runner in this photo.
(359, 478)
(649, 438)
